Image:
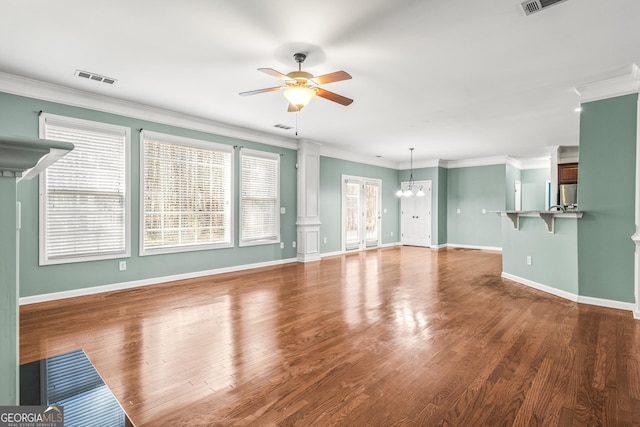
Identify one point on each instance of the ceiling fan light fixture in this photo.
(299, 96)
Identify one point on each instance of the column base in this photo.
(308, 242)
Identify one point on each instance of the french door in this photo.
(360, 213)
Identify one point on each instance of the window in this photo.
(185, 194)
(84, 197)
(259, 197)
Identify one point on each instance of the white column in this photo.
(553, 155)
(308, 220)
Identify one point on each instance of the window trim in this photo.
(187, 142)
(269, 156)
(42, 208)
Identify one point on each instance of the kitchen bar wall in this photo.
(606, 194)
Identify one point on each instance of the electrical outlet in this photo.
(294, 244)
(281, 245)
(122, 265)
(392, 234)
(325, 240)
(528, 259)
(458, 210)
(283, 210)
(484, 211)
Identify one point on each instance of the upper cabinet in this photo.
(568, 173)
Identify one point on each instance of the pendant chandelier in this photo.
(411, 188)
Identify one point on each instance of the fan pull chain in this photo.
(297, 112)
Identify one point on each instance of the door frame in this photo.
(362, 180)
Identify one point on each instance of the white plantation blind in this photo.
(259, 197)
(84, 195)
(186, 190)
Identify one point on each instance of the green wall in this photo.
(8, 294)
(534, 182)
(472, 189)
(19, 117)
(606, 190)
(331, 171)
(554, 256)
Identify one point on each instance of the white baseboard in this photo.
(442, 246)
(572, 297)
(484, 248)
(146, 282)
(539, 286)
(607, 303)
(391, 245)
(328, 254)
(386, 245)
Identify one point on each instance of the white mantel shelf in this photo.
(26, 157)
(547, 216)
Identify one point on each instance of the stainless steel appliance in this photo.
(568, 194)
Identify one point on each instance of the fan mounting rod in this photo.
(299, 58)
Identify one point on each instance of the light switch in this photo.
(283, 210)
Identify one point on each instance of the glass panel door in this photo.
(372, 214)
(352, 220)
(360, 213)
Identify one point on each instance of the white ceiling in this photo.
(457, 79)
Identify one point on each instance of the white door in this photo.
(415, 221)
(360, 213)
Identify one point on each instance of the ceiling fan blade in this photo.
(257, 91)
(332, 77)
(274, 73)
(334, 97)
(292, 108)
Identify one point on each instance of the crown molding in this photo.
(336, 153)
(31, 88)
(623, 84)
(535, 163)
(484, 161)
(430, 163)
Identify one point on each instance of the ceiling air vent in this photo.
(281, 126)
(534, 6)
(95, 77)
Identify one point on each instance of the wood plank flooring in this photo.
(402, 336)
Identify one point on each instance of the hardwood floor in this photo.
(400, 336)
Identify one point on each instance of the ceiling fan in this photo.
(301, 86)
